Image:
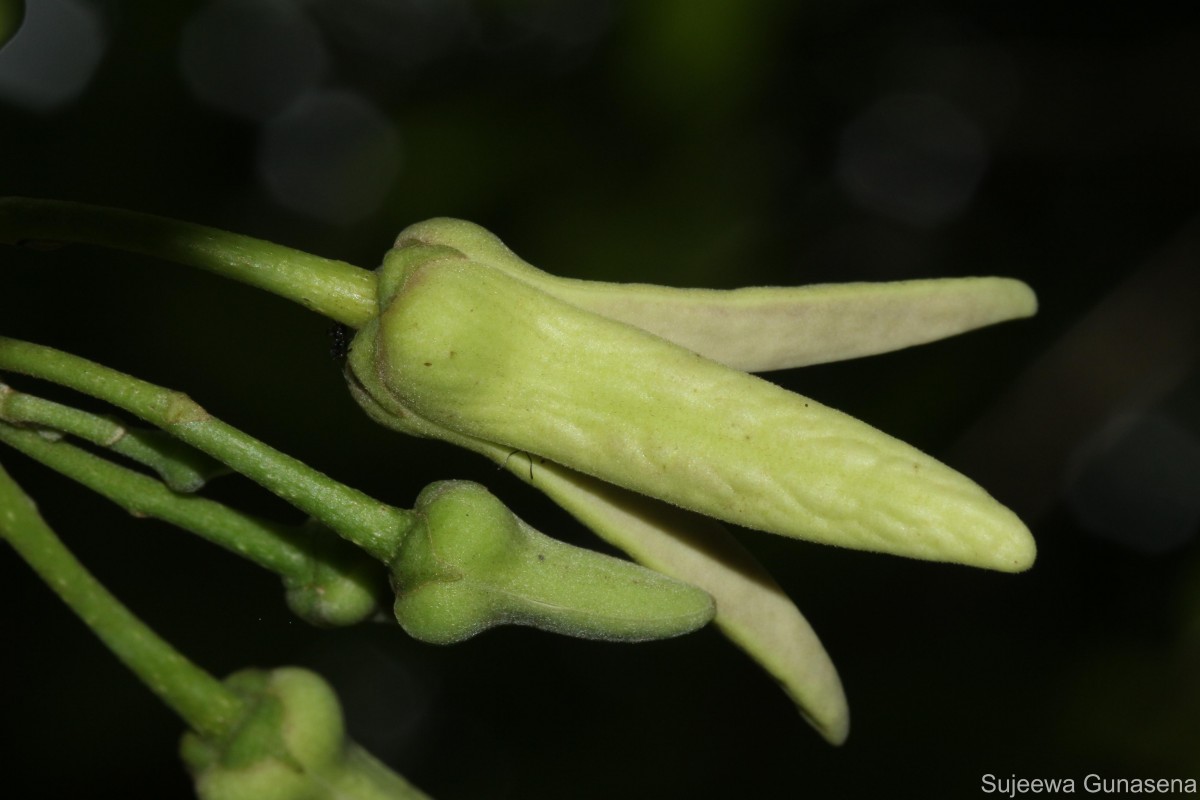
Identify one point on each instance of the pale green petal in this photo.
(765, 328)
(752, 610)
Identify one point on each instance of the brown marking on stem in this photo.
(179, 409)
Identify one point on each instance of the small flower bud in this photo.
(341, 585)
(289, 744)
(470, 564)
(291, 732)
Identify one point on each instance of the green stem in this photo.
(203, 702)
(335, 289)
(374, 526)
(182, 468)
(266, 544)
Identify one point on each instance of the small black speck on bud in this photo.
(339, 341)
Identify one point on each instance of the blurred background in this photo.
(695, 144)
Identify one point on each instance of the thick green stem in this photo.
(375, 526)
(335, 289)
(205, 704)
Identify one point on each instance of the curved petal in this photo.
(752, 609)
(757, 329)
(766, 328)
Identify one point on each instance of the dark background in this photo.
(699, 144)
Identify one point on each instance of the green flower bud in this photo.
(290, 733)
(470, 564)
(484, 356)
(289, 744)
(342, 584)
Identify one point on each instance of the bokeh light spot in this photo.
(1135, 483)
(396, 35)
(914, 158)
(54, 55)
(575, 25)
(252, 58)
(332, 155)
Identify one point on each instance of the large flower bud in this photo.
(472, 353)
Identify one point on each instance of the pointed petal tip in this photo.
(1010, 548)
(834, 729)
(1021, 299)
(1020, 556)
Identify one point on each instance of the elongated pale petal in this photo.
(765, 328)
(752, 610)
(478, 352)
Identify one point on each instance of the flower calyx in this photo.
(289, 744)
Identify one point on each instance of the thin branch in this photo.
(373, 525)
(335, 289)
(203, 702)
